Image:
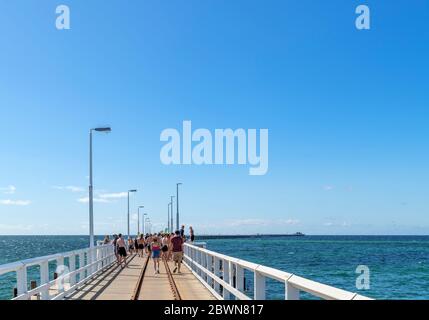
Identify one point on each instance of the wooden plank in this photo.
(189, 286)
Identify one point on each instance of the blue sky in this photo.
(346, 110)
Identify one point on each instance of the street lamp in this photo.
(144, 223)
(128, 216)
(177, 203)
(171, 217)
(149, 225)
(91, 188)
(168, 217)
(138, 219)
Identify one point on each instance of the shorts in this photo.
(141, 246)
(122, 252)
(155, 254)
(164, 248)
(177, 256)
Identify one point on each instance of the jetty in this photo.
(93, 274)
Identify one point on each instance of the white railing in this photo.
(92, 261)
(224, 277)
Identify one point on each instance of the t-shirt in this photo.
(177, 243)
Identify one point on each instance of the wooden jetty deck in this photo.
(93, 274)
(121, 284)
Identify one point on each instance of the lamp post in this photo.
(91, 188)
(144, 224)
(128, 216)
(177, 204)
(138, 219)
(149, 225)
(171, 216)
(168, 218)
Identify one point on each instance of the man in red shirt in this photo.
(177, 248)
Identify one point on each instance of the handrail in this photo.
(224, 277)
(91, 262)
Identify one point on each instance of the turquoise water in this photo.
(399, 265)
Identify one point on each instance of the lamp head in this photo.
(103, 129)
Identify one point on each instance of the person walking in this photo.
(156, 252)
(122, 251)
(177, 248)
(165, 241)
(141, 246)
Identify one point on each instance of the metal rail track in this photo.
(173, 286)
(138, 287)
(175, 291)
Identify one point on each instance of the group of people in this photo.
(159, 246)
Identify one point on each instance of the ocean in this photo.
(398, 265)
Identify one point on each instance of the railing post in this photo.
(44, 279)
(217, 273)
(291, 293)
(81, 265)
(21, 280)
(72, 263)
(239, 278)
(204, 264)
(200, 258)
(209, 264)
(259, 286)
(194, 259)
(61, 274)
(225, 264)
(231, 274)
(97, 258)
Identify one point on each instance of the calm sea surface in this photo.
(399, 265)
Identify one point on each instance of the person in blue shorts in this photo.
(156, 253)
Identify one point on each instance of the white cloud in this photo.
(15, 228)
(9, 202)
(104, 197)
(328, 188)
(70, 188)
(8, 190)
(86, 200)
(337, 224)
(117, 195)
